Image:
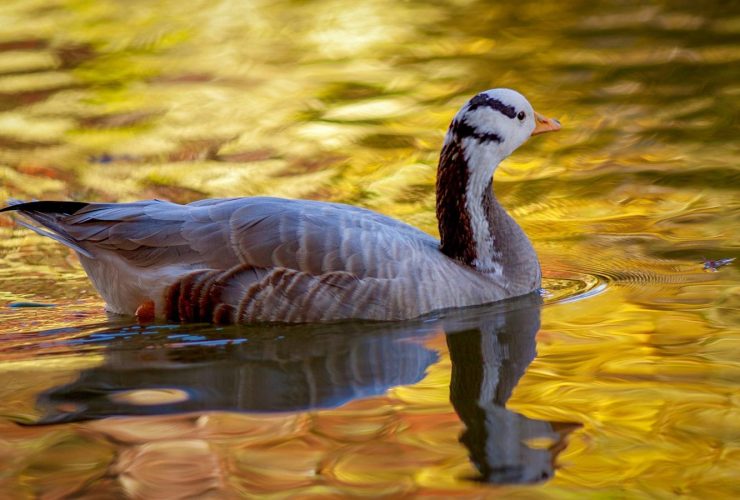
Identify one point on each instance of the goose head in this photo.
(496, 122)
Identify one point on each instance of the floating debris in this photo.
(30, 304)
(714, 265)
(106, 158)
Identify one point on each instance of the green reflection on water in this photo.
(182, 100)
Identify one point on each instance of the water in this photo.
(627, 388)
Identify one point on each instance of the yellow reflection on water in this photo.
(182, 100)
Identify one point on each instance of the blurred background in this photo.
(105, 100)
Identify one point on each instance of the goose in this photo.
(264, 259)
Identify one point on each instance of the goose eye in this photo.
(521, 115)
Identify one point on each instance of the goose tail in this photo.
(49, 215)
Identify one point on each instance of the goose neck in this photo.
(466, 206)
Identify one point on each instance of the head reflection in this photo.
(487, 362)
(295, 368)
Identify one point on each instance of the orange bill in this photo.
(544, 124)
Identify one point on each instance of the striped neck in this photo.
(466, 206)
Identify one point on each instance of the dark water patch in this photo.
(29, 304)
(351, 91)
(387, 141)
(715, 178)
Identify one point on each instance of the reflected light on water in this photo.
(633, 388)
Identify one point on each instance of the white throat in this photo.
(482, 160)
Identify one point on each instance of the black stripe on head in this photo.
(484, 100)
(461, 130)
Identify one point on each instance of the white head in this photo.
(497, 121)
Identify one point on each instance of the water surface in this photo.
(624, 384)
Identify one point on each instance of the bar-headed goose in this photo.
(271, 259)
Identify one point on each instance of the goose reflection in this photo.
(294, 368)
(487, 362)
(272, 369)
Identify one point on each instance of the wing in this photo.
(318, 238)
(306, 236)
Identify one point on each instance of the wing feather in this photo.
(304, 236)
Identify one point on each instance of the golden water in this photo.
(634, 388)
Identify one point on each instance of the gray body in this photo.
(296, 260)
